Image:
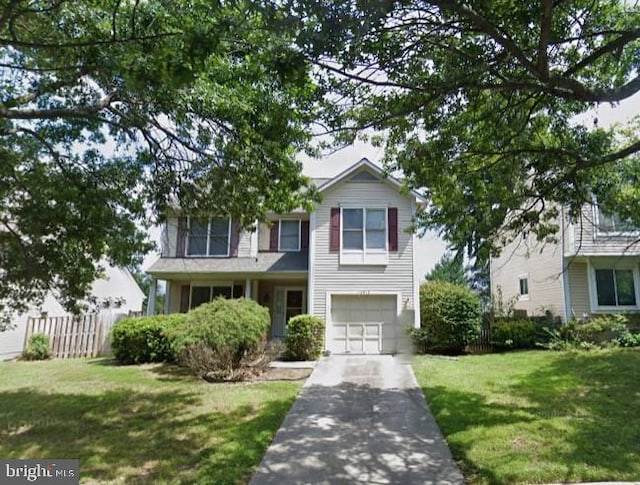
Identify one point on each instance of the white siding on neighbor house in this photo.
(541, 264)
(588, 241)
(329, 276)
(169, 240)
(578, 290)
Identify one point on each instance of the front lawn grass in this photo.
(138, 424)
(538, 417)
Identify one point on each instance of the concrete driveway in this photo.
(359, 419)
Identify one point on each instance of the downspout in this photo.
(566, 297)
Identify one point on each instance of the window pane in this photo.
(524, 286)
(294, 299)
(352, 240)
(224, 291)
(289, 235)
(219, 238)
(604, 287)
(200, 295)
(352, 218)
(376, 239)
(376, 219)
(625, 287)
(198, 238)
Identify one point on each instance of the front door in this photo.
(289, 302)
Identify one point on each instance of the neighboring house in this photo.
(351, 262)
(117, 288)
(592, 269)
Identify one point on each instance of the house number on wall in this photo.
(365, 292)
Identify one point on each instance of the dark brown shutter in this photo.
(184, 298)
(334, 238)
(238, 291)
(235, 239)
(273, 236)
(392, 214)
(304, 237)
(181, 244)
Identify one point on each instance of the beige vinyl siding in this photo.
(330, 276)
(541, 265)
(169, 240)
(578, 290)
(588, 241)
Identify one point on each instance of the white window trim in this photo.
(210, 285)
(208, 239)
(599, 233)
(365, 256)
(593, 289)
(527, 296)
(280, 236)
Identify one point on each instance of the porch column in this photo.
(167, 297)
(151, 301)
(247, 288)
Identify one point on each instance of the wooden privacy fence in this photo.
(74, 336)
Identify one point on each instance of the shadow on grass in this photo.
(138, 436)
(595, 398)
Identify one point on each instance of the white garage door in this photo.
(363, 324)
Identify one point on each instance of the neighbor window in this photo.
(208, 237)
(289, 235)
(615, 287)
(524, 287)
(205, 294)
(614, 223)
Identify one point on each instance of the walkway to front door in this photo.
(359, 419)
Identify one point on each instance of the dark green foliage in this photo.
(217, 336)
(144, 339)
(450, 268)
(511, 334)
(305, 338)
(486, 105)
(113, 110)
(37, 348)
(450, 315)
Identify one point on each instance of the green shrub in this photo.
(37, 348)
(514, 334)
(598, 331)
(144, 339)
(450, 315)
(305, 338)
(216, 337)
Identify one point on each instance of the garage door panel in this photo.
(363, 324)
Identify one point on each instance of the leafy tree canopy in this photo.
(113, 111)
(477, 103)
(450, 268)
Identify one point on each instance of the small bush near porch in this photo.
(138, 424)
(538, 417)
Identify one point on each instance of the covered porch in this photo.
(284, 295)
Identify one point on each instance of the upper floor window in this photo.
(289, 239)
(208, 237)
(615, 287)
(364, 236)
(614, 223)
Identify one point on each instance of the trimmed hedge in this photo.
(144, 339)
(450, 317)
(216, 336)
(305, 338)
(510, 334)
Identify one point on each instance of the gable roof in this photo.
(366, 163)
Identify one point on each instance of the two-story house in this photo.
(593, 268)
(350, 262)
